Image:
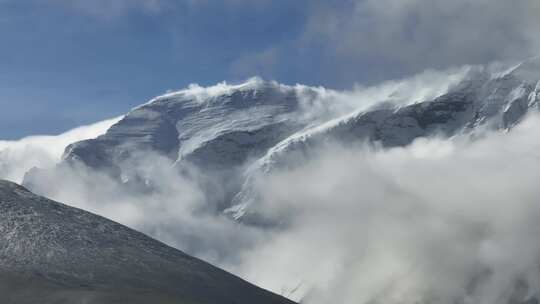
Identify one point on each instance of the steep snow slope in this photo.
(52, 253)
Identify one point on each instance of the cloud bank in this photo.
(369, 41)
(445, 221)
(442, 220)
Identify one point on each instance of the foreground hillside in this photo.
(52, 253)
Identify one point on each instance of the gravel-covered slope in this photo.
(53, 253)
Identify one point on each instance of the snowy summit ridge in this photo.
(232, 133)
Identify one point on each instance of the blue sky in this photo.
(62, 66)
(65, 63)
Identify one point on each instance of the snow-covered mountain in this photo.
(483, 99)
(217, 130)
(53, 253)
(232, 134)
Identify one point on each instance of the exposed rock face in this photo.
(52, 253)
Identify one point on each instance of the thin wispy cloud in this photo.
(373, 40)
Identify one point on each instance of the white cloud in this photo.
(404, 36)
(19, 156)
(441, 220)
(153, 197)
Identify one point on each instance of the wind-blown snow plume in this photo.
(19, 156)
(404, 36)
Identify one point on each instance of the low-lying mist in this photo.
(442, 220)
(152, 196)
